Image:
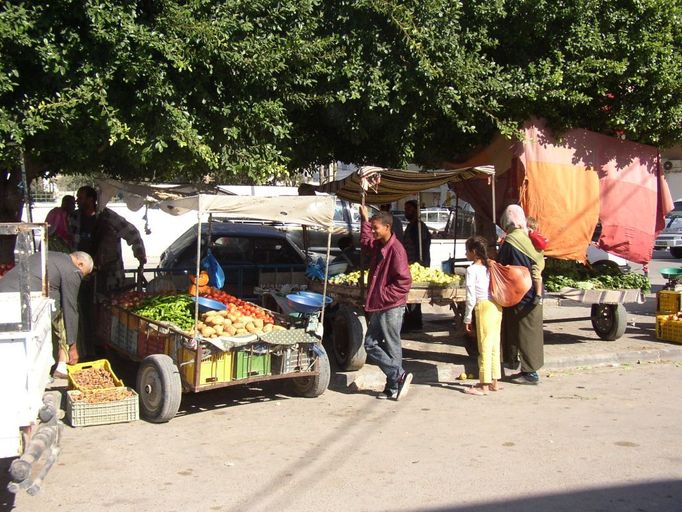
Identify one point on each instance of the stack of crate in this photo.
(668, 322)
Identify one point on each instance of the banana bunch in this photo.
(420, 275)
(431, 276)
(351, 279)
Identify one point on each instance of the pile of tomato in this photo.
(232, 302)
(5, 267)
(129, 299)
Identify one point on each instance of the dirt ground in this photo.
(587, 438)
(591, 439)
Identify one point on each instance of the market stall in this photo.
(374, 185)
(597, 176)
(210, 339)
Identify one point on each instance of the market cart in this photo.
(29, 423)
(607, 308)
(374, 185)
(348, 325)
(173, 361)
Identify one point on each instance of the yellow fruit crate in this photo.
(73, 369)
(82, 414)
(668, 301)
(213, 369)
(669, 329)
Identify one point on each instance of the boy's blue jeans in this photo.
(382, 344)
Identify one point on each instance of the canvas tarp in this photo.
(305, 210)
(571, 183)
(395, 184)
(137, 195)
(181, 199)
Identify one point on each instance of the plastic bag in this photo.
(508, 283)
(538, 240)
(216, 276)
(315, 270)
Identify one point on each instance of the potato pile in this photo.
(215, 324)
(100, 396)
(93, 378)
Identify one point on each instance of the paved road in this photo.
(600, 439)
(588, 438)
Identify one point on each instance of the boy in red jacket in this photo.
(389, 284)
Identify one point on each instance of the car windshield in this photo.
(673, 222)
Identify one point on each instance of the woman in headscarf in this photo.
(522, 335)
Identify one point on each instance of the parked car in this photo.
(250, 255)
(435, 218)
(346, 223)
(671, 236)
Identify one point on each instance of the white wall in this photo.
(674, 179)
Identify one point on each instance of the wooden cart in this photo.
(607, 313)
(347, 324)
(173, 362)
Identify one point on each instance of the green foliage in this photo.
(246, 91)
(559, 274)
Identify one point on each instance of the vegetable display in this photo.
(560, 274)
(420, 276)
(231, 322)
(174, 309)
(237, 305)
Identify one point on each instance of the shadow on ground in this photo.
(662, 496)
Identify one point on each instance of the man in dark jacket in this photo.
(417, 252)
(64, 275)
(388, 286)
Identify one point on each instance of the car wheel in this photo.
(609, 320)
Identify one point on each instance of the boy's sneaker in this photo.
(403, 386)
(531, 378)
(387, 394)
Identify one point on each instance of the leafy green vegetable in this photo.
(559, 274)
(174, 309)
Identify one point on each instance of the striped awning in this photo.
(394, 184)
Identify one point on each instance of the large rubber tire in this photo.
(348, 337)
(676, 252)
(159, 387)
(606, 267)
(310, 387)
(609, 320)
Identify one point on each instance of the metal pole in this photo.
(24, 183)
(454, 248)
(492, 178)
(419, 225)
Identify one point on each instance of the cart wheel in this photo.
(606, 267)
(609, 320)
(348, 338)
(676, 252)
(159, 387)
(310, 387)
